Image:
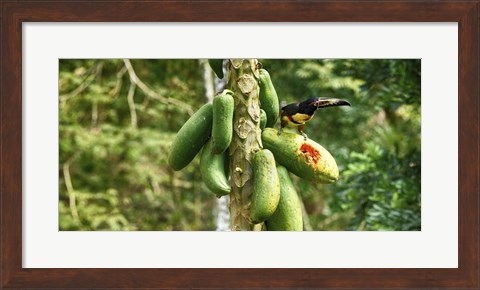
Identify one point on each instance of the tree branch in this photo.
(152, 94)
(84, 84)
(131, 105)
(70, 190)
(118, 84)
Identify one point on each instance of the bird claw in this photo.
(280, 131)
(305, 137)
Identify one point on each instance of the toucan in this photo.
(297, 114)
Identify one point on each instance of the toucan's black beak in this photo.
(330, 102)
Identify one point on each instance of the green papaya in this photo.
(263, 119)
(288, 215)
(268, 98)
(222, 129)
(212, 169)
(266, 187)
(304, 158)
(217, 67)
(190, 138)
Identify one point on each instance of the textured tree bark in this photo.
(243, 81)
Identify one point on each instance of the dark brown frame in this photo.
(14, 13)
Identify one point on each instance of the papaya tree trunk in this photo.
(243, 81)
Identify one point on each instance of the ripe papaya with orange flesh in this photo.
(305, 158)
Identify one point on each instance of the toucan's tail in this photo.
(328, 102)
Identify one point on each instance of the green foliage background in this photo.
(113, 172)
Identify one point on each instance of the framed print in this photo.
(54, 234)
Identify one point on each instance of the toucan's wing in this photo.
(290, 109)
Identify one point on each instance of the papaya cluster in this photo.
(274, 200)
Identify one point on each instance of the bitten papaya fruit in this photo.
(191, 138)
(288, 215)
(304, 158)
(266, 187)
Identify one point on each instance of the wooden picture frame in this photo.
(14, 13)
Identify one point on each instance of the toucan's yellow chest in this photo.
(296, 119)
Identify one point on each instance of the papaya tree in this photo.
(244, 156)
